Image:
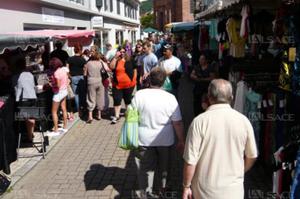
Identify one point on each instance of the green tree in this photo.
(147, 21)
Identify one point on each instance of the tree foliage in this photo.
(146, 6)
(147, 21)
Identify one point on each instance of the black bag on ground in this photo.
(4, 182)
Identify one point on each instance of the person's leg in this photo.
(74, 85)
(100, 100)
(82, 93)
(64, 111)
(117, 96)
(30, 129)
(128, 96)
(106, 107)
(146, 161)
(54, 109)
(117, 111)
(163, 165)
(91, 100)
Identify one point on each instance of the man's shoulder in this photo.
(150, 92)
(176, 59)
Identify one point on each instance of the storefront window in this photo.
(133, 38)
(119, 37)
(105, 5)
(111, 6)
(78, 1)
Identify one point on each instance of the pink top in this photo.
(61, 75)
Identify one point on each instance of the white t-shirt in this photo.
(110, 54)
(171, 64)
(157, 109)
(65, 69)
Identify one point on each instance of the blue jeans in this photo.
(295, 191)
(78, 86)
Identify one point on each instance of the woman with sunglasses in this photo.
(124, 80)
(138, 57)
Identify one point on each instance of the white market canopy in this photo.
(210, 7)
(25, 39)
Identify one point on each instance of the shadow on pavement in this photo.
(123, 180)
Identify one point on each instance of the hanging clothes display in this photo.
(203, 38)
(240, 96)
(245, 25)
(252, 111)
(295, 190)
(237, 44)
(285, 76)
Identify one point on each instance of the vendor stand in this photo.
(259, 48)
(28, 44)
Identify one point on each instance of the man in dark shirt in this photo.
(76, 66)
(5, 78)
(60, 53)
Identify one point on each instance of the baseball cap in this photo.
(168, 47)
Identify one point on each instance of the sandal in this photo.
(89, 121)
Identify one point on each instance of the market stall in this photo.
(258, 46)
(28, 44)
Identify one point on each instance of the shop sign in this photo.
(53, 16)
(97, 22)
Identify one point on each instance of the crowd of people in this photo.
(147, 78)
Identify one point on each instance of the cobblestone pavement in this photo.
(86, 163)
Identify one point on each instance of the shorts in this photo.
(119, 94)
(58, 97)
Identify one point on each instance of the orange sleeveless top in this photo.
(123, 81)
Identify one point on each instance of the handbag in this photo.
(71, 94)
(4, 182)
(104, 73)
(129, 132)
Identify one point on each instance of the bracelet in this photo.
(186, 186)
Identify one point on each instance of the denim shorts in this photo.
(58, 97)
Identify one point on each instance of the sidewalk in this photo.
(85, 163)
(20, 167)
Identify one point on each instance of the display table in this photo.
(8, 141)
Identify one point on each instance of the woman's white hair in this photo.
(220, 91)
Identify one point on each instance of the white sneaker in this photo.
(62, 130)
(53, 133)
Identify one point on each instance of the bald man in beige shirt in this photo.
(220, 148)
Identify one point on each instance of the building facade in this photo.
(167, 11)
(121, 21)
(113, 20)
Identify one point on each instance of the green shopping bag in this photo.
(129, 132)
(167, 85)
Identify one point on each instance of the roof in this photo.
(25, 39)
(180, 26)
(215, 6)
(150, 30)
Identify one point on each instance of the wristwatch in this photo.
(186, 185)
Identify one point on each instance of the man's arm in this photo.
(188, 174)
(178, 126)
(248, 162)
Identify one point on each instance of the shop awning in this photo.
(180, 26)
(214, 6)
(59, 34)
(32, 38)
(150, 30)
(13, 41)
